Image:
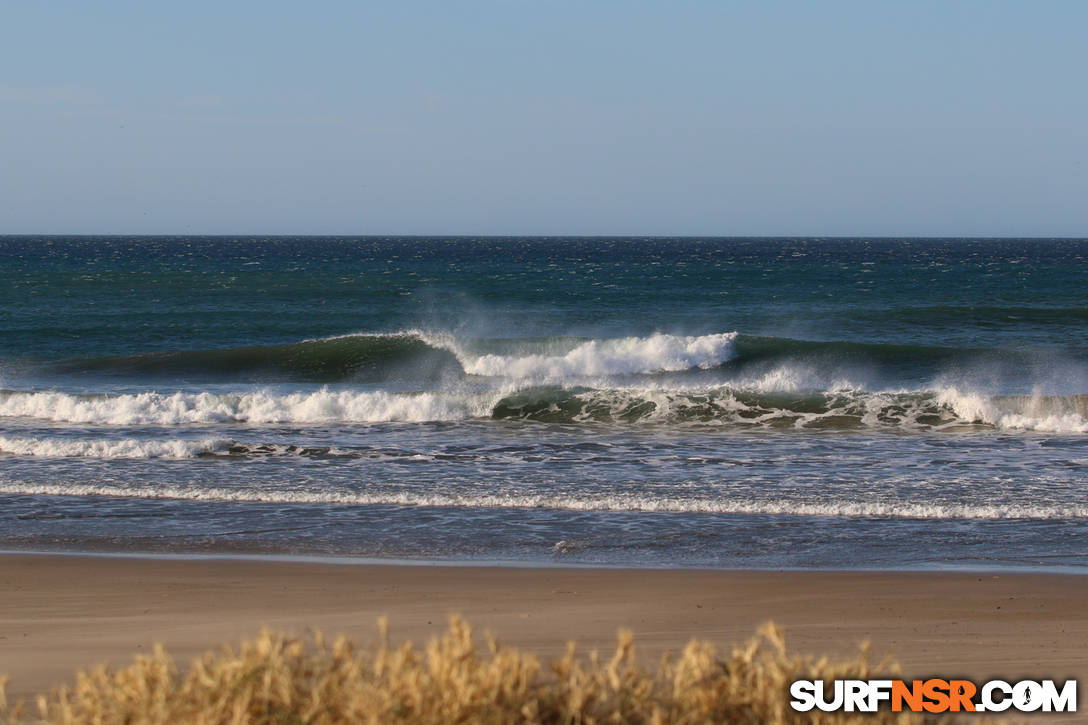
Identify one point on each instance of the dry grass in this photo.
(279, 679)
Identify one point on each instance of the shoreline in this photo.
(349, 560)
(64, 612)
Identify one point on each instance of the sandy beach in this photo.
(60, 613)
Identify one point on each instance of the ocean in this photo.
(645, 402)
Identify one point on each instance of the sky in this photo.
(913, 118)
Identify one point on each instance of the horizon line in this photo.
(280, 235)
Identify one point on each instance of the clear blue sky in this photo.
(520, 117)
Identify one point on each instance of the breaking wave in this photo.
(322, 406)
(418, 355)
(773, 401)
(837, 409)
(602, 358)
(422, 356)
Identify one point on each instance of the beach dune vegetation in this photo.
(456, 678)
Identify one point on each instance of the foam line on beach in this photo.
(113, 448)
(609, 503)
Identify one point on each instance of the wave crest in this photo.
(420, 355)
(603, 358)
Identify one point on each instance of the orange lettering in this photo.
(912, 696)
(936, 691)
(961, 693)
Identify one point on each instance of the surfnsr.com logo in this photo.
(934, 695)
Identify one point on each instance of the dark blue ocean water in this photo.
(649, 402)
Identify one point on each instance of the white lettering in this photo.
(804, 695)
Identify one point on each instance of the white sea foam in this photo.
(598, 358)
(125, 448)
(1036, 412)
(322, 406)
(792, 378)
(184, 448)
(633, 503)
(944, 407)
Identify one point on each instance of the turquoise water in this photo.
(656, 402)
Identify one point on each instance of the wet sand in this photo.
(59, 613)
